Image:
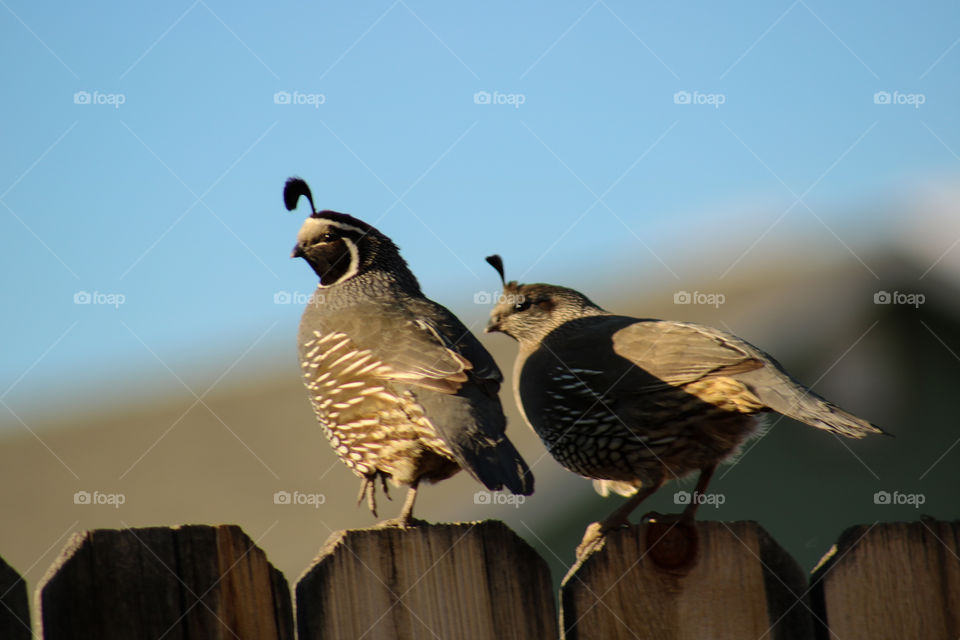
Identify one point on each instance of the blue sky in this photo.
(145, 149)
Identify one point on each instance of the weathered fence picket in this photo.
(14, 605)
(897, 580)
(473, 580)
(659, 580)
(173, 583)
(668, 581)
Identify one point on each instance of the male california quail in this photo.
(401, 387)
(633, 402)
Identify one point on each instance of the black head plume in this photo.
(293, 190)
(496, 262)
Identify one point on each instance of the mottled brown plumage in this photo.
(632, 403)
(400, 386)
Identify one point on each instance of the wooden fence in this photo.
(480, 580)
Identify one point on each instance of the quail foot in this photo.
(400, 386)
(632, 403)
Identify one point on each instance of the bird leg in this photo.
(689, 512)
(406, 515)
(405, 519)
(593, 536)
(691, 509)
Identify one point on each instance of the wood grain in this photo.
(175, 583)
(667, 581)
(893, 580)
(470, 580)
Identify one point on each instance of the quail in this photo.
(403, 390)
(632, 403)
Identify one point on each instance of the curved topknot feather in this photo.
(496, 262)
(293, 190)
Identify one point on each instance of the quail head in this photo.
(400, 386)
(635, 402)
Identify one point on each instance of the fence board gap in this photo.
(177, 583)
(671, 582)
(465, 580)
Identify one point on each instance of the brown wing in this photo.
(679, 353)
(409, 349)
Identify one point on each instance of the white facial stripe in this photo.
(312, 227)
(344, 226)
(354, 262)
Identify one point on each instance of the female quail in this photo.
(401, 387)
(634, 402)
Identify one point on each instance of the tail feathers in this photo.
(813, 410)
(824, 415)
(781, 393)
(501, 466)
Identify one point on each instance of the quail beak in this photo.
(493, 325)
(297, 251)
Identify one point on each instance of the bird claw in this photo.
(368, 490)
(386, 488)
(592, 540)
(595, 535)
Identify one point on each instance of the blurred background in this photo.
(785, 170)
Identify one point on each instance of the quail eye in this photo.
(523, 305)
(326, 237)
